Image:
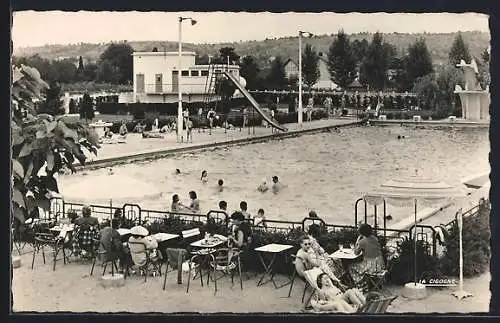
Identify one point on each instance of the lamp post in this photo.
(300, 112)
(179, 79)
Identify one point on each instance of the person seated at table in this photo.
(240, 233)
(86, 218)
(311, 259)
(368, 245)
(244, 210)
(140, 235)
(195, 203)
(176, 206)
(331, 298)
(110, 242)
(118, 216)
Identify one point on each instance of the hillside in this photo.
(438, 44)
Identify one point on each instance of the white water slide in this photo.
(254, 103)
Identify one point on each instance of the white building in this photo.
(156, 77)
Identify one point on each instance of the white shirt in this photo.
(186, 113)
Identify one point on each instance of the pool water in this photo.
(325, 172)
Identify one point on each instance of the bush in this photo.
(402, 267)
(476, 244)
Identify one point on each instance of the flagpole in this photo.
(461, 294)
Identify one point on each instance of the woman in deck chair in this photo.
(329, 296)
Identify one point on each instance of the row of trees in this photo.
(115, 65)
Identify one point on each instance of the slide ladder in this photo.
(254, 103)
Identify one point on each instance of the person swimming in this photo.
(276, 185)
(177, 171)
(220, 185)
(204, 177)
(263, 186)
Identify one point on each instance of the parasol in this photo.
(413, 191)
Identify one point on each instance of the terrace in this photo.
(52, 287)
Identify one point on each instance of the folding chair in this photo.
(138, 248)
(300, 267)
(376, 306)
(374, 281)
(226, 261)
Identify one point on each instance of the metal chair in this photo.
(138, 248)
(175, 258)
(56, 243)
(106, 258)
(225, 261)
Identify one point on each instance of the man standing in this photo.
(210, 117)
(200, 113)
(245, 117)
(310, 105)
(189, 128)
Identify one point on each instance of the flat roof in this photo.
(163, 53)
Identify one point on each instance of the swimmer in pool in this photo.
(277, 186)
(220, 185)
(204, 177)
(177, 171)
(263, 186)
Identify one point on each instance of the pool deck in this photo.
(137, 148)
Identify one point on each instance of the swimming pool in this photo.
(326, 172)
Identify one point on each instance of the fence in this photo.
(137, 215)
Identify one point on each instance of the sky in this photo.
(31, 28)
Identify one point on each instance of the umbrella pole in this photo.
(415, 247)
(461, 294)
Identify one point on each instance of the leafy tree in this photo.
(485, 55)
(459, 50)
(427, 90)
(86, 107)
(359, 48)
(202, 60)
(80, 64)
(417, 63)
(90, 72)
(119, 63)
(226, 52)
(373, 70)
(38, 139)
(224, 87)
(64, 71)
(249, 70)
(107, 73)
(341, 61)
(53, 104)
(72, 106)
(310, 67)
(276, 79)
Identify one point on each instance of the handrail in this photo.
(226, 216)
(356, 211)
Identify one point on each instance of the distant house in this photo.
(355, 86)
(291, 68)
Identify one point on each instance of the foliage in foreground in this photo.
(38, 140)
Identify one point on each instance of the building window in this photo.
(185, 73)
(204, 73)
(195, 73)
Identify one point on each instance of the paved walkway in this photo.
(137, 147)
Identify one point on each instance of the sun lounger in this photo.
(376, 303)
(151, 134)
